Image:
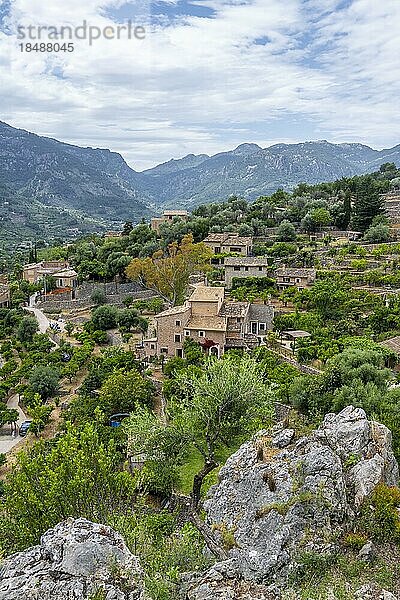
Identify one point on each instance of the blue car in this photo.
(23, 430)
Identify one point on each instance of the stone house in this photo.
(229, 243)
(167, 217)
(112, 234)
(247, 266)
(293, 277)
(66, 278)
(392, 211)
(5, 296)
(36, 271)
(209, 319)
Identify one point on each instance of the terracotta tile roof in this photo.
(228, 239)
(66, 273)
(392, 344)
(293, 272)
(204, 293)
(207, 324)
(175, 310)
(234, 309)
(250, 261)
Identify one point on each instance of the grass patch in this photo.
(319, 576)
(283, 507)
(194, 463)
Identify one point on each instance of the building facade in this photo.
(212, 321)
(167, 217)
(248, 266)
(297, 278)
(67, 278)
(5, 296)
(34, 272)
(229, 243)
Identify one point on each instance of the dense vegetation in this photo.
(182, 418)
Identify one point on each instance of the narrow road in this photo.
(40, 317)
(8, 441)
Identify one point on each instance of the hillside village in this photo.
(220, 388)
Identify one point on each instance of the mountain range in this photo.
(46, 183)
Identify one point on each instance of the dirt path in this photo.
(7, 439)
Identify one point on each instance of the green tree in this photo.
(76, 475)
(27, 329)
(98, 297)
(44, 381)
(286, 232)
(124, 391)
(368, 204)
(8, 415)
(168, 273)
(377, 234)
(316, 218)
(220, 403)
(69, 327)
(104, 317)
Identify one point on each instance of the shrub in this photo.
(104, 317)
(379, 516)
(98, 297)
(355, 541)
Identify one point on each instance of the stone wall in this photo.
(114, 295)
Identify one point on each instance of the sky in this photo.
(208, 75)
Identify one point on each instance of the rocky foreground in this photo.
(277, 496)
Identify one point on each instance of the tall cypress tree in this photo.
(368, 204)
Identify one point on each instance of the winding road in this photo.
(8, 440)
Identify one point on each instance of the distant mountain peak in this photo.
(99, 185)
(246, 148)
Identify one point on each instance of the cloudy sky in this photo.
(209, 75)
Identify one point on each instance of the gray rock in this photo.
(373, 592)
(278, 502)
(367, 552)
(283, 438)
(72, 561)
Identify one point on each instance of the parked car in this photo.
(116, 420)
(23, 430)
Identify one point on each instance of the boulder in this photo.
(368, 552)
(283, 438)
(373, 592)
(73, 561)
(281, 502)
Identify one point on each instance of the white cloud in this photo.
(203, 85)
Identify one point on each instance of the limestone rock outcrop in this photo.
(74, 561)
(278, 502)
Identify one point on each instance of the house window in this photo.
(177, 323)
(253, 327)
(238, 320)
(297, 280)
(234, 249)
(286, 279)
(187, 333)
(164, 350)
(217, 250)
(152, 346)
(236, 268)
(179, 352)
(260, 268)
(262, 326)
(202, 334)
(246, 268)
(178, 337)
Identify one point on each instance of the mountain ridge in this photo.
(100, 189)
